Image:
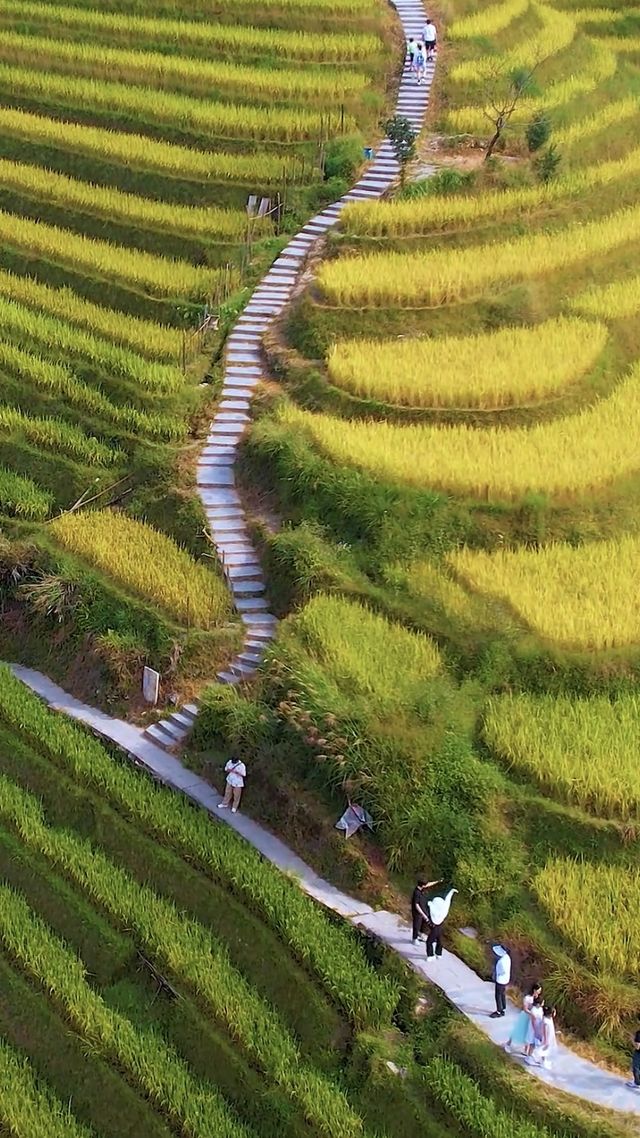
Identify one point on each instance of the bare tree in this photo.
(504, 92)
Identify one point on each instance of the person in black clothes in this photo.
(635, 1063)
(419, 914)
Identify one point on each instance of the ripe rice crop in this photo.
(469, 612)
(488, 21)
(28, 1108)
(614, 301)
(473, 120)
(610, 115)
(627, 45)
(235, 38)
(330, 951)
(56, 379)
(579, 596)
(20, 496)
(166, 71)
(156, 275)
(567, 456)
(52, 434)
(557, 30)
(105, 201)
(492, 369)
(142, 336)
(227, 120)
(585, 750)
(145, 1058)
(366, 654)
(144, 152)
(31, 327)
(147, 562)
(444, 276)
(190, 951)
(596, 908)
(477, 1115)
(431, 212)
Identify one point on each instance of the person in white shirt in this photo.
(430, 37)
(236, 773)
(501, 976)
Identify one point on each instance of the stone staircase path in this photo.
(471, 995)
(244, 369)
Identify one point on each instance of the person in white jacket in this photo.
(501, 976)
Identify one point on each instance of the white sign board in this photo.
(150, 685)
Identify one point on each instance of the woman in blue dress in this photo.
(522, 1029)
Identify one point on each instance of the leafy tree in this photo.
(538, 131)
(402, 137)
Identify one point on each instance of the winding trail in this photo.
(471, 995)
(243, 371)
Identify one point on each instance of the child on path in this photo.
(420, 64)
(236, 773)
(635, 1063)
(518, 1037)
(430, 37)
(549, 1047)
(534, 1031)
(411, 51)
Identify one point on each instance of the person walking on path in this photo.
(430, 37)
(236, 773)
(438, 910)
(501, 976)
(420, 64)
(411, 51)
(635, 1063)
(534, 1032)
(518, 1037)
(549, 1046)
(419, 914)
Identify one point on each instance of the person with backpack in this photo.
(420, 63)
(236, 773)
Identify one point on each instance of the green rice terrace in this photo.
(441, 479)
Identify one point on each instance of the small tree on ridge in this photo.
(402, 137)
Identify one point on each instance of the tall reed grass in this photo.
(578, 596)
(330, 951)
(148, 562)
(486, 370)
(567, 457)
(582, 750)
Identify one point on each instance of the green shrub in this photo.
(538, 131)
(342, 157)
(226, 719)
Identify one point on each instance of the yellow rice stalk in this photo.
(203, 116)
(183, 34)
(615, 301)
(366, 654)
(602, 15)
(624, 45)
(55, 435)
(106, 201)
(610, 115)
(469, 612)
(487, 21)
(473, 120)
(424, 215)
(153, 340)
(147, 562)
(557, 30)
(156, 275)
(430, 278)
(596, 908)
(506, 368)
(579, 596)
(28, 1107)
(585, 750)
(569, 456)
(147, 153)
(183, 74)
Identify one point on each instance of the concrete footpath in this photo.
(471, 995)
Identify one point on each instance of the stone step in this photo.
(176, 730)
(228, 678)
(191, 709)
(186, 722)
(255, 645)
(231, 417)
(238, 394)
(252, 659)
(250, 588)
(251, 604)
(242, 669)
(160, 738)
(243, 572)
(234, 405)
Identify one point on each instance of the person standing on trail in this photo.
(419, 913)
(236, 773)
(549, 1046)
(520, 1032)
(420, 64)
(430, 37)
(438, 910)
(501, 976)
(635, 1063)
(411, 51)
